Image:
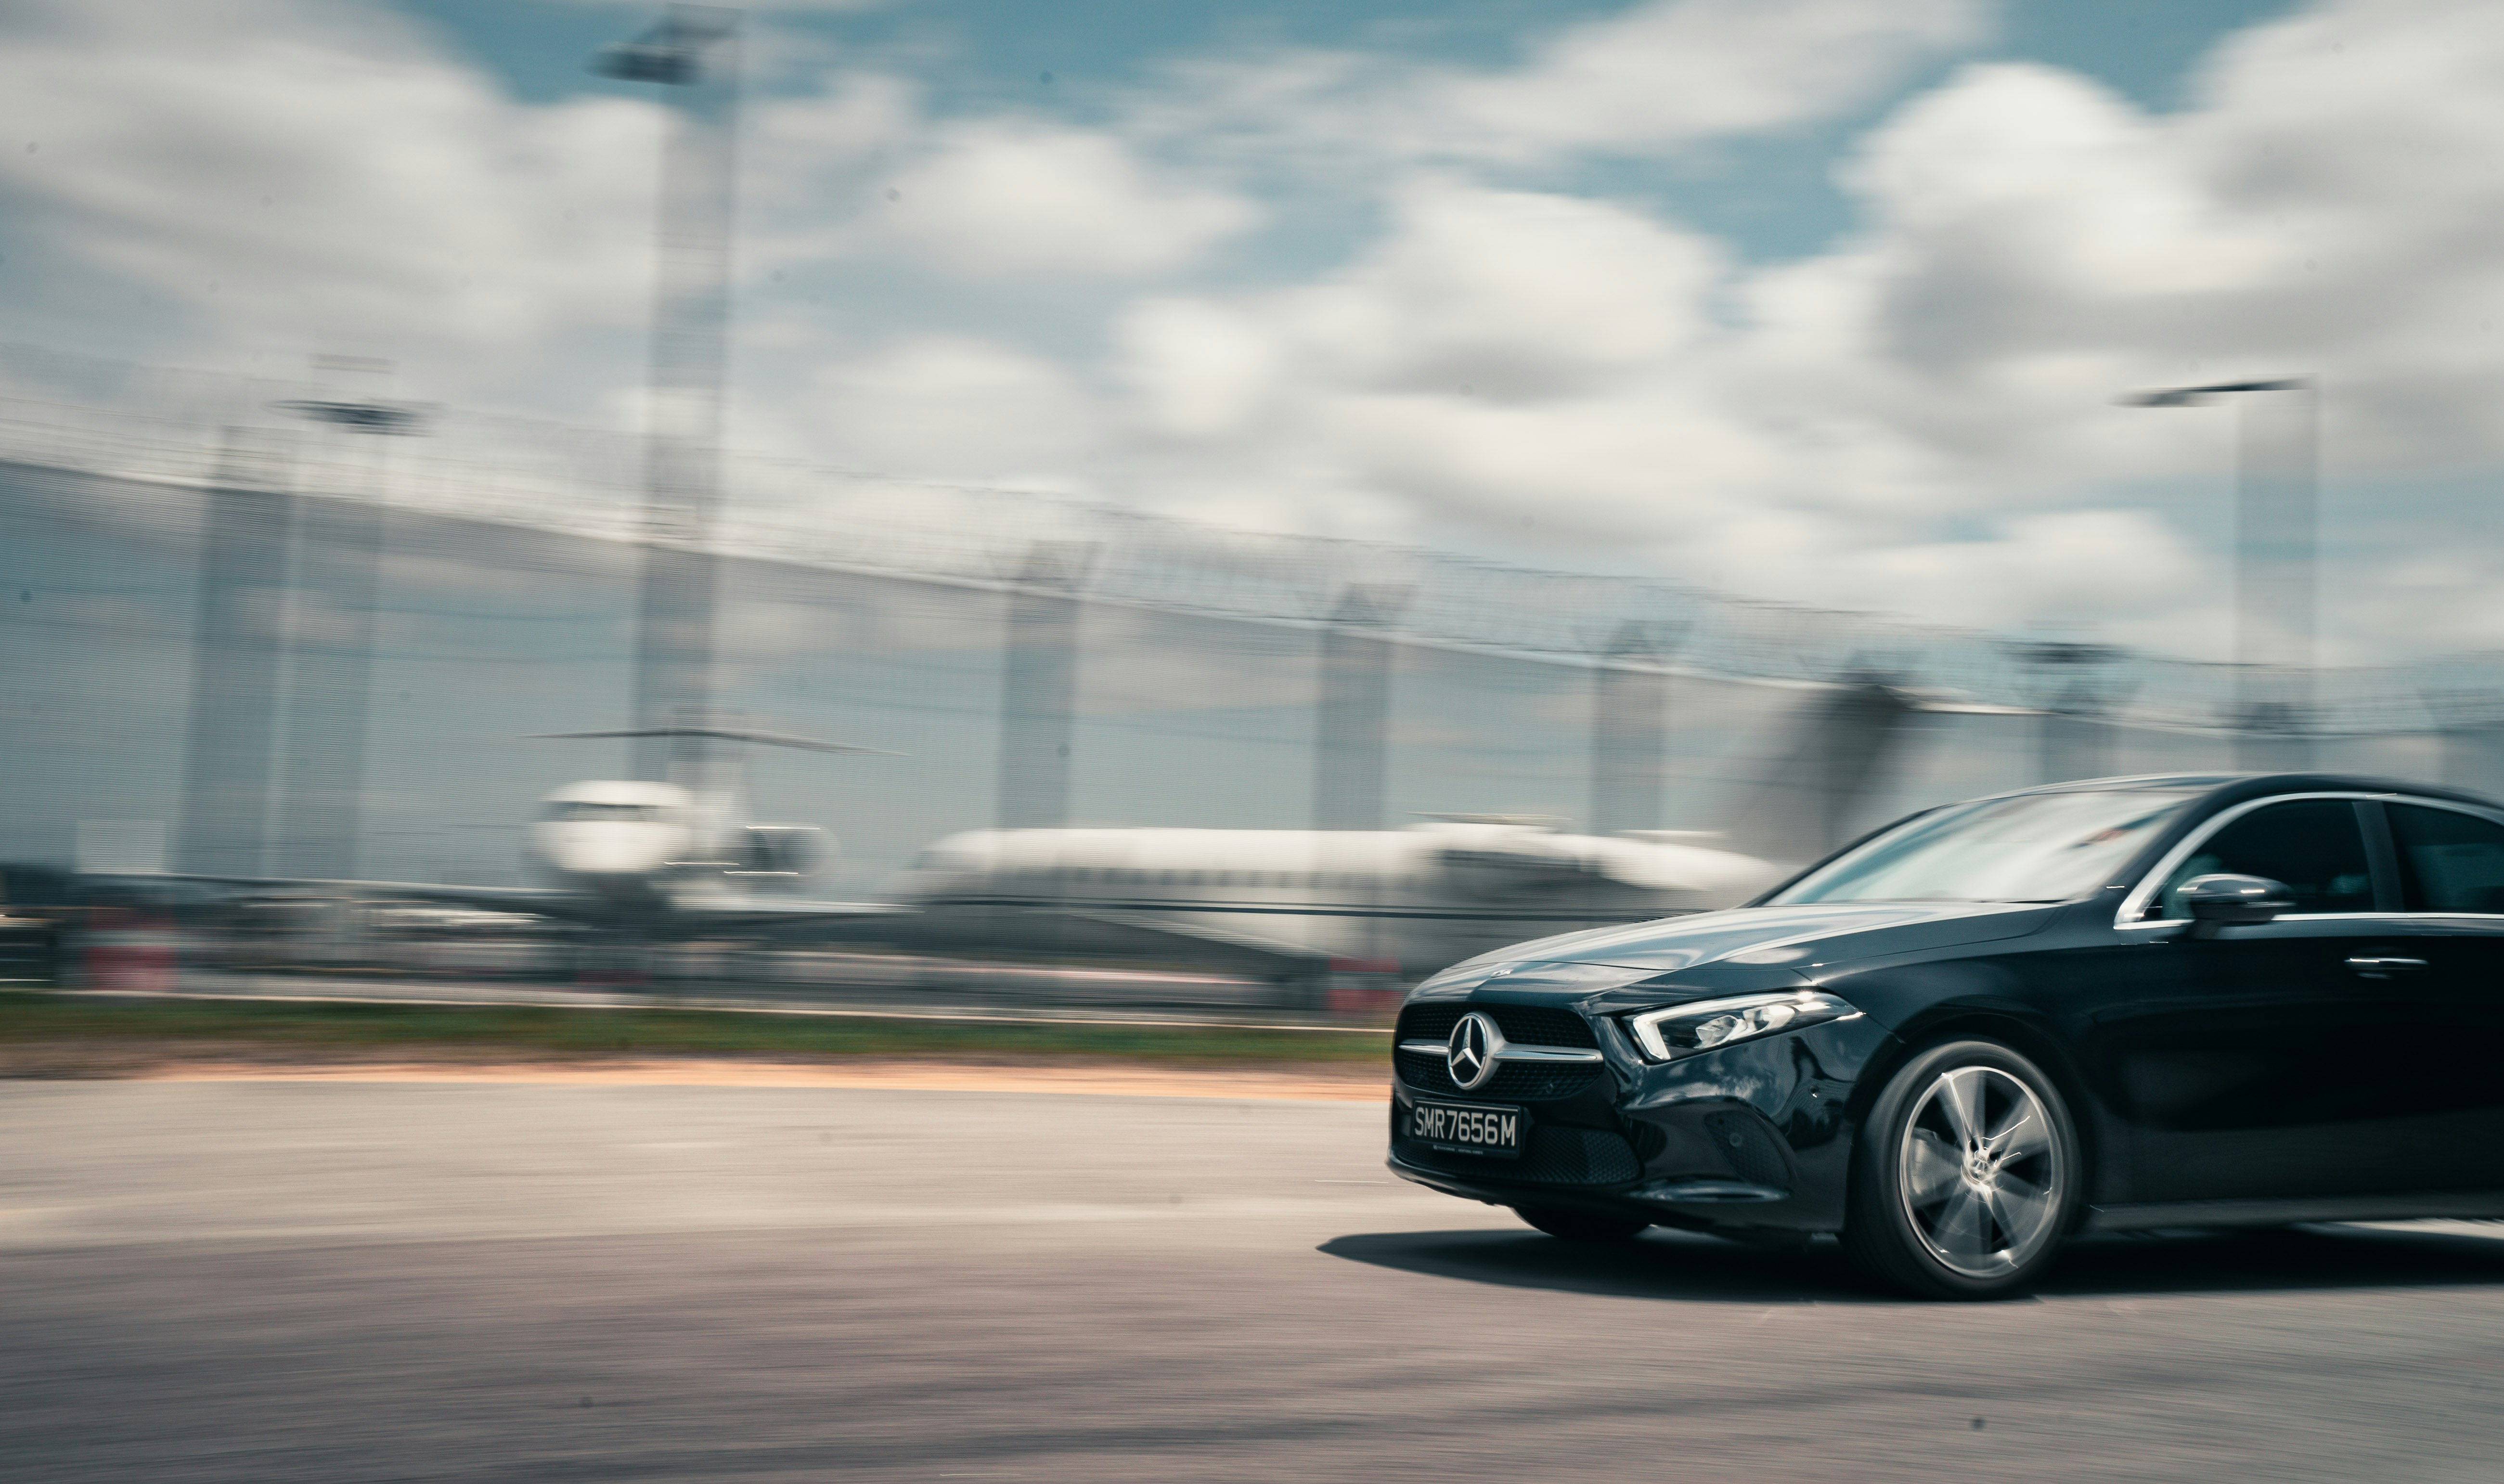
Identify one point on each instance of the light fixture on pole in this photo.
(372, 416)
(401, 417)
(2276, 509)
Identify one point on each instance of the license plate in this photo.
(1469, 1128)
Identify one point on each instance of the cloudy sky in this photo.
(1815, 299)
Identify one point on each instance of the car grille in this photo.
(1529, 1025)
(1520, 1081)
(1552, 1156)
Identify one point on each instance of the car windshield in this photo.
(2033, 847)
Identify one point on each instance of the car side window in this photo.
(2313, 845)
(2452, 862)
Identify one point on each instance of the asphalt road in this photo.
(323, 1281)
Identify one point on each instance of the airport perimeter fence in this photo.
(243, 643)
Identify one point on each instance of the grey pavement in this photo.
(264, 1281)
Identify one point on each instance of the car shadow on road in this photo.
(1660, 1264)
(1684, 1266)
(2327, 1257)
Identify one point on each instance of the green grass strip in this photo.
(567, 1031)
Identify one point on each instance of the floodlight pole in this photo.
(694, 51)
(316, 828)
(2277, 565)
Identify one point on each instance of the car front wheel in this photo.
(1967, 1175)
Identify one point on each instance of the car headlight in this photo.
(1683, 1031)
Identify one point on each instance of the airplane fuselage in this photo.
(1408, 900)
(649, 849)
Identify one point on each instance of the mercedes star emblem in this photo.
(1470, 1055)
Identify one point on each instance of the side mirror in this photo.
(2212, 902)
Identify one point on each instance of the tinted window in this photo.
(2313, 845)
(2455, 862)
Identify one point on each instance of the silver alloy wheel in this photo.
(1983, 1177)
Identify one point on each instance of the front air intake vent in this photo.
(1753, 1147)
(1528, 1025)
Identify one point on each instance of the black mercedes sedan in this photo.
(2129, 1003)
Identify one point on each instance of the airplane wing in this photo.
(531, 899)
(944, 928)
(1245, 952)
(724, 734)
(567, 906)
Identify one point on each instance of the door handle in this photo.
(2378, 966)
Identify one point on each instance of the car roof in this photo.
(2236, 787)
(2214, 791)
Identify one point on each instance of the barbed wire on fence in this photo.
(163, 425)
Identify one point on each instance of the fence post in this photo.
(1353, 720)
(339, 543)
(1039, 686)
(1629, 731)
(235, 659)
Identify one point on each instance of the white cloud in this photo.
(1200, 369)
(1006, 197)
(1505, 296)
(313, 177)
(1576, 373)
(1497, 355)
(950, 406)
(1514, 295)
(2037, 241)
(853, 119)
(1920, 418)
(1675, 71)
(860, 169)
(1656, 77)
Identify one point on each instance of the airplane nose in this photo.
(605, 849)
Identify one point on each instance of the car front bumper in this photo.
(1756, 1136)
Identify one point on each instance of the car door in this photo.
(2436, 977)
(2246, 1065)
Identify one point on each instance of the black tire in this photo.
(1944, 1214)
(1581, 1225)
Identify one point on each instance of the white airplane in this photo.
(641, 858)
(1393, 901)
(1294, 905)
(683, 852)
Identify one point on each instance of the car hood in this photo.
(1797, 938)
